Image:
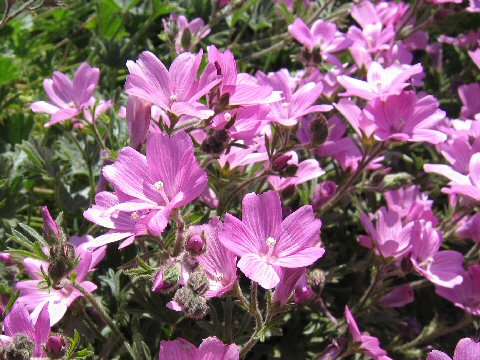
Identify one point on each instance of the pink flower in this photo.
(307, 170)
(69, 98)
(324, 192)
(369, 345)
(390, 237)
(442, 268)
(398, 297)
(460, 184)
(474, 6)
(470, 228)
(470, 99)
(466, 295)
(219, 263)
(404, 117)
(58, 301)
(466, 349)
(149, 187)
(322, 37)
(266, 244)
(18, 321)
(138, 114)
(372, 40)
(287, 285)
(241, 89)
(475, 55)
(381, 82)
(176, 90)
(410, 204)
(196, 29)
(210, 349)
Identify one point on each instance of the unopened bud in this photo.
(280, 162)
(167, 279)
(55, 347)
(303, 294)
(186, 39)
(198, 308)
(198, 281)
(216, 142)
(21, 348)
(196, 245)
(319, 129)
(316, 278)
(184, 296)
(57, 270)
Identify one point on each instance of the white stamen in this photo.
(158, 185)
(271, 242)
(228, 116)
(173, 98)
(285, 105)
(134, 216)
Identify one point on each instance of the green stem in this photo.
(180, 240)
(255, 311)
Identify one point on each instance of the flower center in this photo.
(158, 185)
(228, 116)
(285, 105)
(271, 242)
(134, 216)
(173, 98)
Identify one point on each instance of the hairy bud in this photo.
(280, 162)
(196, 245)
(316, 278)
(198, 281)
(21, 348)
(319, 129)
(216, 142)
(55, 347)
(198, 308)
(184, 296)
(167, 279)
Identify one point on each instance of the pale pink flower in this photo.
(460, 184)
(18, 321)
(323, 37)
(70, 98)
(167, 178)
(307, 170)
(369, 42)
(381, 82)
(196, 28)
(58, 301)
(238, 156)
(442, 268)
(210, 349)
(398, 297)
(466, 295)
(241, 89)
(219, 263)
(177, 90)
(266, 244)
(466, 349)
(369, 345)
(469, 94)
(389, 238)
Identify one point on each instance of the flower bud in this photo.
(280, 162)
(55, 347)
(196, 245)
(324, 192)
(167, 279)
(319, 129)
(184, 296)
(398, 297)
(216, 142)
(198, 308)
(199, 282)
(49, 225)
(21, 348)
(57, 269)
(316, 278)
(303, 294)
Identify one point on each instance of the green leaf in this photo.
(20, 239)
(33, 233)
(9, 70)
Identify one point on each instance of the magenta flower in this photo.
(18, 321)
(210, 349)
(287, 284)
(196, 28)
(389, 237)
(466, 295)
(370, 41)
(138, 114)
(167, 178)
(460, 184)
(69, 98)
(470, 99)
(381, 82)
(442, 268)
(266, 244)
(404, 117)
(410, 204)
(475, 55)
(398, 297)
(176, 90)
(324, 192)
(322, 36)
(369, 345)
(241, 89)
(219, 263)
(307, 170)
(470, 229)
(466, 349)
(58, 301)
